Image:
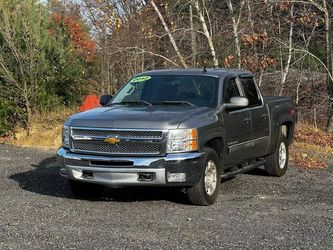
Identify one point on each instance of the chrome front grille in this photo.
(118, 133)
(131, 142)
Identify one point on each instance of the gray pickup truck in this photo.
(187, 128)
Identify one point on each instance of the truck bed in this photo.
(276, 99)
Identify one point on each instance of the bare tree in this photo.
(251, 22)
(285, 68)
(235, 25)
(326, 9)
(328, 13)
(193, 38)
(207, 34)
(167, 30)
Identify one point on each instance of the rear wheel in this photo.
(277, 163)
(206, 191)
(85, 190)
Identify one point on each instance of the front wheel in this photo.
(277, 163)
(206, 191)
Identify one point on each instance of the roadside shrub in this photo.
(9, 114)
(46, 101)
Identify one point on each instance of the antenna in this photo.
(205, 67)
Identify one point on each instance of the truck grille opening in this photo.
(130, 142)
(112, 163)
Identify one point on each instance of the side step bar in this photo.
(242, 169)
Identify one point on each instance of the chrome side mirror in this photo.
(237, 102)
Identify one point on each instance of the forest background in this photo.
(54, 53)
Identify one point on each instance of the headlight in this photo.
(182, 140)
(65, 136)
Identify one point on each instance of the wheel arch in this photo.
(217, 144)
(287, 129)
(285, 126)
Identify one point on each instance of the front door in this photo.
(237, 124)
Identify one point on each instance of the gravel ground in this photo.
(254, 211)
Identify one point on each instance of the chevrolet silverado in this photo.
(185, 127)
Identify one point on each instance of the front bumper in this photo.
(183, 169)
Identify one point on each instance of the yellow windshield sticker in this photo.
(141, 79)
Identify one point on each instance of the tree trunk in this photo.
(261, 75)
(193, 39)
(235, 24)
(207, 34)
(298, 84)
(329, 60)
(29, 112)
(285, 70)
(172, 40)
(251, 21)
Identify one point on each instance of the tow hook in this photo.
(145, 176)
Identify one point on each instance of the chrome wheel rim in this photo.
(210, 177)
(282, 155)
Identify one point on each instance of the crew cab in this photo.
(184, 127)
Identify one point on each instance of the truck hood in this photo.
(155, 117)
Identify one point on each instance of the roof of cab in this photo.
(217, 72)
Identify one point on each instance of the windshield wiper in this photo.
(179, 102)
(134, 102)
(150, 104)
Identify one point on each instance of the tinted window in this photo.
(251, 92)
(156, 89)
(230, 90)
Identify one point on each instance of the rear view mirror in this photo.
(105, 99)
(237, 102)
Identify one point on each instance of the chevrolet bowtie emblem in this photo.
(112, 140)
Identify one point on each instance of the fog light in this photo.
(176, 177)
(76, 173)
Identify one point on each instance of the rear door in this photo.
(237, 124)
(259, 117)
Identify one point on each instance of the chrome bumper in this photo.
(124, 171)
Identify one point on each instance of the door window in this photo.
(230, 90)
(251, 91)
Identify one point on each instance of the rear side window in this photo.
(251, 92)
(230, 90)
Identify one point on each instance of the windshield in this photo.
(169, 90)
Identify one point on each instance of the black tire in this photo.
(272, 165)
(197, 194)
(85, 190)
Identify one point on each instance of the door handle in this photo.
(247, 119)
(264, 116)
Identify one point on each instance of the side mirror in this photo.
(105, 99)
(237, 102)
